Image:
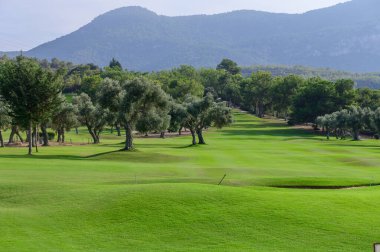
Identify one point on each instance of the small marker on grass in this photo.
(222, 179)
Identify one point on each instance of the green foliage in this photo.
(361, 80)
(203, 113)
(257, 91)
(90, 85)
(115, 64)
(93, 116)
(32, 92)
(353, 119)
(5, 118)
(319, 97)
(65, 117)
(229, 66)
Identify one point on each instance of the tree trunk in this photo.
(12, 135)
(118, 130)
(1, 139)
(93, 135)
(58, 136)
(257, 109)
(180, 131)
(194, 142)
(19, 136)
(45, 136)
(76, 131)
(30, 138)
(327, 133)
(200, 137)
(128, 138)
(97, 135)
(36, 138)
(63, 135)
(162, 135)
(356, 135)
(33, 138)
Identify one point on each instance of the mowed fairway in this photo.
(165, 197)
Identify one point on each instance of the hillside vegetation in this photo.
(345, 37)
(362, 80)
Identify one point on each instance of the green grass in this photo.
(164, 196)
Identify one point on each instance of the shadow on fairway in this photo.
(135, 156)
(116, 155)
(260, 131)
(39, 156)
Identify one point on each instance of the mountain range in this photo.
(345, 37)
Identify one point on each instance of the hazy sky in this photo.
(25, 24)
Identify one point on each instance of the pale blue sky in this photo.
(25, 24)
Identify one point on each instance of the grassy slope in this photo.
(164, 197)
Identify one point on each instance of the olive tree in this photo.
(204, 113)
(132, 100)
(64, 119)
(94, 117)
(356, 121)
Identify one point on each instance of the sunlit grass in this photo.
(164, 196)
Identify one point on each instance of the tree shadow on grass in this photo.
(39, 156)
(136, 156)
(272, 132)
(116, 155)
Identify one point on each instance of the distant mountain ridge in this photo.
(345, 37)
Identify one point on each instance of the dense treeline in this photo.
(33, 100)
(362, 80)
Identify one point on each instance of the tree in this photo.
(283, 92)
(177, 113)
(327, 122)
(132, 100)
(90, 85)
(5, 120)
(94, 117)
(154, 121)
(204, 113)
(110, 95)
(376, 120)
(64, 118)
(257, 90)
(315, 98)
(115, 64)
(230, 66)
(341, 120)
(356, 121)
(344, 93)
(31, 91)
(366, 97)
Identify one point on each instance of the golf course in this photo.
(285, 189)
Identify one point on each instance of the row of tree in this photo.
(350, 121)
(183, 97)
(292, 97)
(31, 99)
